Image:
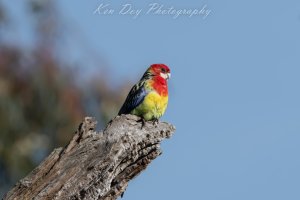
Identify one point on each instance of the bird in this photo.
(148, 98)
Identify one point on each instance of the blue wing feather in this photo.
(134, 98)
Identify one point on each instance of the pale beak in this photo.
(168, 76)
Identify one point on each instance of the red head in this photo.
(161, 70)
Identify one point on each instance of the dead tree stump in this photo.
(95, 165)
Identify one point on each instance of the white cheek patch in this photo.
(164, 76)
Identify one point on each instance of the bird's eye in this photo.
(163, 70)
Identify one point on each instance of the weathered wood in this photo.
(95, 165)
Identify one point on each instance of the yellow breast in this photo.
(153, 106)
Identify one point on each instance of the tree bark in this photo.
(95, 165)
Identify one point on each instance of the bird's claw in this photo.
(143, 122)
(155, 122)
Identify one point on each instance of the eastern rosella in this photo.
(149, 97)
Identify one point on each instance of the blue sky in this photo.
(234, 93)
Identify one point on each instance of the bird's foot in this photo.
(155, 122)
(143, 122)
